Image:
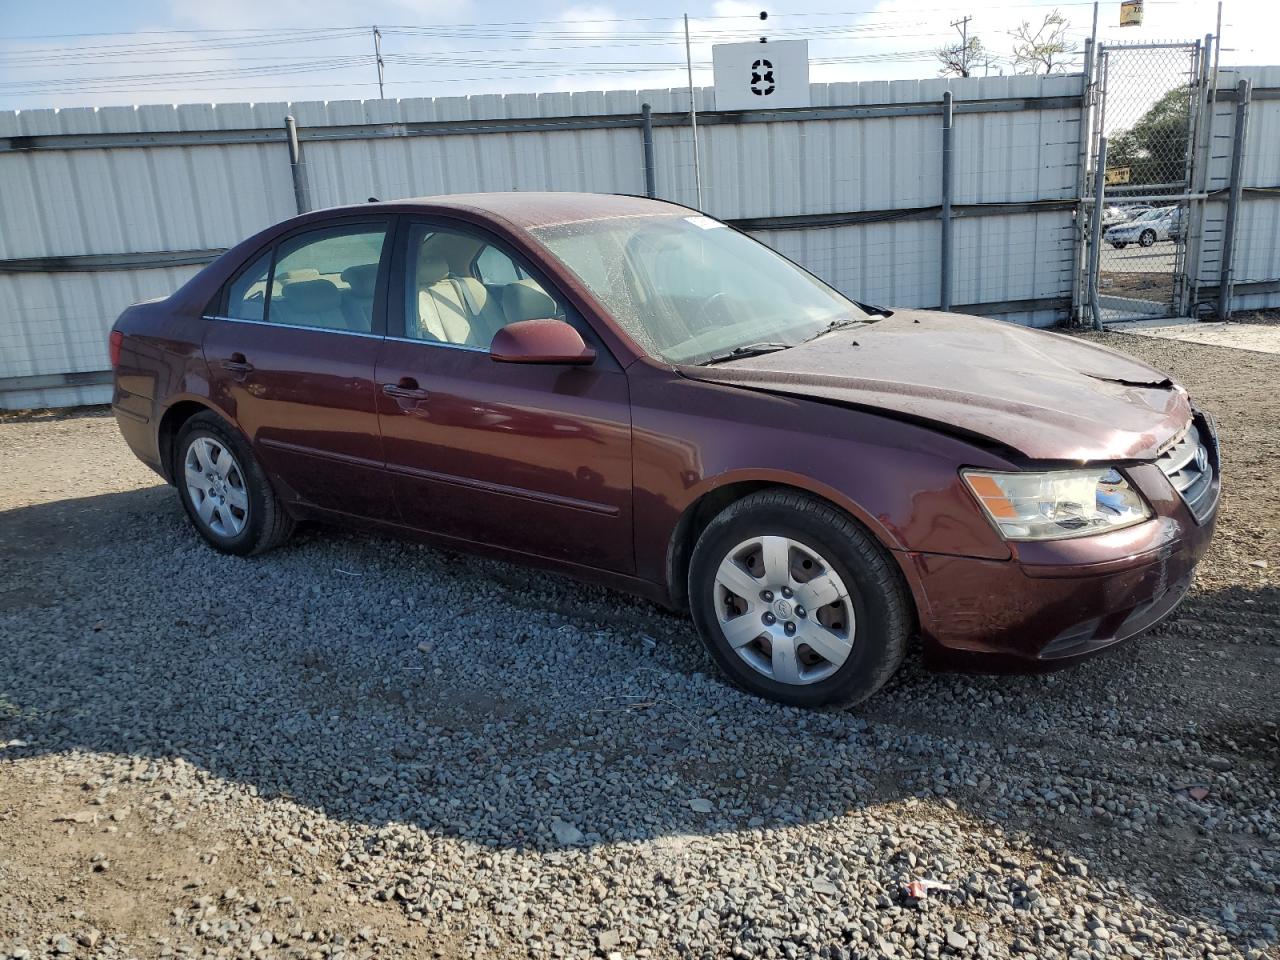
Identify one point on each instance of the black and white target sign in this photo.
(755, 76)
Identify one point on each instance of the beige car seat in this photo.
(454, 309)
(310, 303)
(357, 302)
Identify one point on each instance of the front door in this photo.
(526, 457)
(291, 353)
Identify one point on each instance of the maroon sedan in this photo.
(634, 393)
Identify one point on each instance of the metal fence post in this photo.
(948, 118)
(1079, 237)
(1095, 231)
(1226, 277)
(301, 198)
(650, 168)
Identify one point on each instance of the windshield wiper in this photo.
(746, 350)
(873, 310)
(841, 324)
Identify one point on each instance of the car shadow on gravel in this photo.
(391, 685)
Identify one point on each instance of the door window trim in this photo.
(294, 326)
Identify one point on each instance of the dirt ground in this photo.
(124, 833)
(1139, 285)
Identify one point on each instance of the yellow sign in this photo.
(1117, 175)
(1131, 13)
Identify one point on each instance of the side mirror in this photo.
(540, 341)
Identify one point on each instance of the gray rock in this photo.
(566, 833)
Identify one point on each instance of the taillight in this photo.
(113, 347)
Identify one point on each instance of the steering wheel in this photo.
(716, 301)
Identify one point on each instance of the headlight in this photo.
(1057, 504)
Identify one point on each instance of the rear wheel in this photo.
(224, 489)
(1120, 246)
(1147, 239)
(797, 602)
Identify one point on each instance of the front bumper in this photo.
(1055, 602)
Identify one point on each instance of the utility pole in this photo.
(963, 27)
(693, 112)
(377, 53)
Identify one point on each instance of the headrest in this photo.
(432, 269)
(361, 278)
(526, 300)
(312, 295)
(302, 273)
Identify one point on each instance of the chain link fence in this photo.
(1147, 111)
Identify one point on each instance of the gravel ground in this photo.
(354, 747)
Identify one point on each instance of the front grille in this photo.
(1191, 465)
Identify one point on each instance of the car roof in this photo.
(532, 209)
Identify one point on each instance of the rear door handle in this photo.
(406, 389)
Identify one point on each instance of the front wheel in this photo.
(796, 602)
(1147, 239)
(224, 489)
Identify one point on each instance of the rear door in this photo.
(527, 457)
(291, 352)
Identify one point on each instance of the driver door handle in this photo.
(406, 389)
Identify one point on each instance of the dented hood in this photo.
(1045, 395)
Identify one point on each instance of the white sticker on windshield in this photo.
(706, 223)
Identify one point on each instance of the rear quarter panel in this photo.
(161, 363)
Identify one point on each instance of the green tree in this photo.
(1155, 148)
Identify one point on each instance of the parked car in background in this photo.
(634, 393)
(1112, 215)
(1144, 230)
(1132, 211)
(1177, 220)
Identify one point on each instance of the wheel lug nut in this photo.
(789, 627)
(766, 596)
(786, 591)
(770, 619)
(800, 612)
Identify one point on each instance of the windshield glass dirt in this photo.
(688, 289)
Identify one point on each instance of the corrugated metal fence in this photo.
(1255, 234)
(106, 207)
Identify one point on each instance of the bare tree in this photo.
(962, 59)
(1044, 49)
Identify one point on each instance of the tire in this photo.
(1120, 246)
(874, 611)
(247, 517)
(1147, 238)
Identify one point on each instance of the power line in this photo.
(166, 81)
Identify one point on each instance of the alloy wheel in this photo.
(784, 610)
(216, 486)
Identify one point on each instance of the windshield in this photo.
(689, 289)
(1150, 215)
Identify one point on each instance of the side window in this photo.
(247, 295)
(326, 279)
(494, 267)
(461, 290)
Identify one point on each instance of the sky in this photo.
(76, 53)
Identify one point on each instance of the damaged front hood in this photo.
(1045, 395)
